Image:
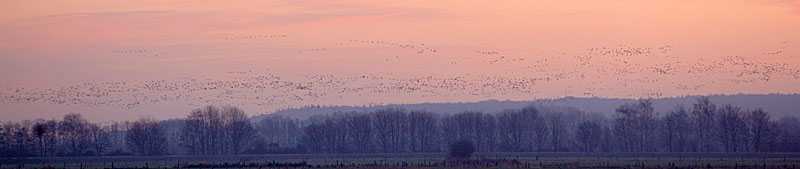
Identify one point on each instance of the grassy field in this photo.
(423, 160)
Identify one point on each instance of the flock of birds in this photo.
(417, 48)
(244, 37)
(781, 47)
(384, 43)
(623, 71)
(129, 51)
(138, 51)
(487, 52)
(489, 57)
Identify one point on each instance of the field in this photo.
(423, 160)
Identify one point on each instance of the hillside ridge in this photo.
(779, 105)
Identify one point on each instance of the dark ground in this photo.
(422, 160)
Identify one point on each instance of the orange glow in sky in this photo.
(124, 59)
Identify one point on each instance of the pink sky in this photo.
(55, 52)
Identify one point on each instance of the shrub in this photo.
(461, 149)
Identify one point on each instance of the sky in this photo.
(120, 60)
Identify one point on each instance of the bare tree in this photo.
(731, 128)
(423, 127)
(535, 128)
(541, 130)
(314, 139)
(389, 126)
(75, 134)
(759, 125)
(488, 133)
(337, 133)
(511, 130)
(145, 137)
(468, 125)
(99, 138)
(50, 137)
(192, 134)
(589, 134)
(607, 139)
(789, 134)
(203, 131)
(476, 127)
(218, 131)
(281, 130)
(675, 130)
(360, 132)
(16, 139)
(703, 117)
(238, 130)
(40, 130)
(517, 127)
(326, 134)
(449, 131)
(557, 124)
(4, 140)
(635, 126)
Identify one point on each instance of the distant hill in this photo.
(778, 105)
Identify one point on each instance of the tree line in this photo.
(634, 127)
